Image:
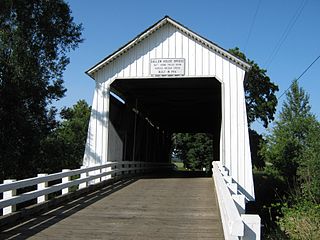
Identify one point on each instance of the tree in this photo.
(287, 142)
(64, 147)
(309, 165)
(261, 100)
(256, 140)
(301, 212)
(194, 149)
(35, 37)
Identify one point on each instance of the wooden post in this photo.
(83, 175)
(96, 172)
(42, 186)
(65, 180)
(7, 195)
(114, 168)
(135, 131)
(102, 170)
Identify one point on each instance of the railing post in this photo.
(83, 175)
(122, 167)
(97, 180)
(65, 180)
(7, 195)
(42, 186)
(103, 170)
(114, 167)
(252, 226)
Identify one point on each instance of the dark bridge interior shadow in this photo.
(34, 224)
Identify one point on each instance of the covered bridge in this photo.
(169, 79)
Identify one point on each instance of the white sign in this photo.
(167, 66)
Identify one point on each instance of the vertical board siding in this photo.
(223, 128)
(100, 126)
(192, 57)
(146, 57)
(241, 129)
(171, 43)
(218, 67)
(106, 102)
(185, 52)
(126, 65)
(212, 64)
(205, 61)
(139, 56)
(233, 119)
(167, 42)
(226, 113)
(179, 45)
(200, 61)
(91, 138)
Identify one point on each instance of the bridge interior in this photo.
(154, 108)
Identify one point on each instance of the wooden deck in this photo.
(148, 208)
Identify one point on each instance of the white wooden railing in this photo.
(85, 176)
(236, 224)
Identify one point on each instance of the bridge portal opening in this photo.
(141, 126)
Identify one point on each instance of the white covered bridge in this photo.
(167, 80)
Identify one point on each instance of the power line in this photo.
(300, 75)
(252, 24)
(285, 34)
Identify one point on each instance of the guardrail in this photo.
(85, 176)
(236, 224)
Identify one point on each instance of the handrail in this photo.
(87, 175)
(236, 224)
(54, 176)
(231, 218)
(57, 187)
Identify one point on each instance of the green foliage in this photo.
(256, 141)
(269, 190)
(293, 148)
(179, 165)
(35, 37)
(64, 147)
(287, 142)
(302, 220)
(194, 149)
(309, 166)
(261, 100)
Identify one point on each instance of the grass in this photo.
(180, 166)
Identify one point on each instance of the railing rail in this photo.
(54, 176)
(231, 218)
(88, 176)
(236, 224)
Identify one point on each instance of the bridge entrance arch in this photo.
(169, 79)
(154, 108)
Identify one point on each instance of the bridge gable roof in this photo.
(167, 20)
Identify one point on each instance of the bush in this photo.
(301, 221)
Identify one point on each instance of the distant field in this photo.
(180, 166)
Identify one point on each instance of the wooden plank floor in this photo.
(149, 208)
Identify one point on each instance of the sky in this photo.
(282, 36)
